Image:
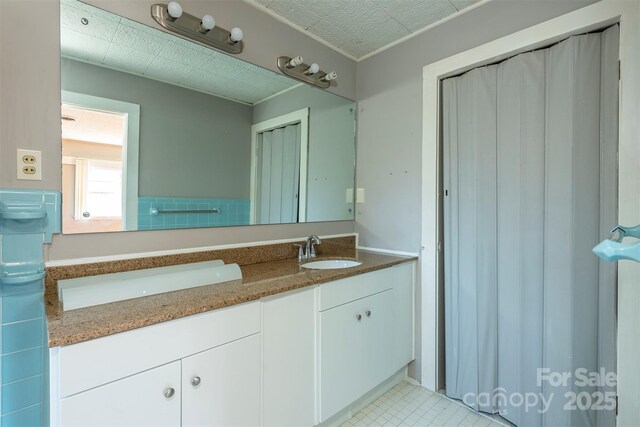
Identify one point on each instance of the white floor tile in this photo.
(409, 405)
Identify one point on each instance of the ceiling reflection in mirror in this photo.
(162, 133)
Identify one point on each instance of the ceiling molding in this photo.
(279, 93)
(322, 41)
(300, 29)
(424, 30)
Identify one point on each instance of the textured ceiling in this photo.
(359, 27)
(92, 126)
(112, 41)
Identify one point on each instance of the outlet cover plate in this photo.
(35, 163)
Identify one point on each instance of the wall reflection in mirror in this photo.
(161, 133)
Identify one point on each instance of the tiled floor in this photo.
(411, 405)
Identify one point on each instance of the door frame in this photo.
(130, 148)
(300, 116)
(589, 18)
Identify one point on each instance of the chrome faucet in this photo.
(307, 249)
(310, 245)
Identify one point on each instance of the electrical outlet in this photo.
(29, 159)
(29, 165)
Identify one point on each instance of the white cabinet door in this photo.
(378, 341)
(221, 386)
(341, 342)
(403, 314)
(356, 353)
(289, 356)
(143, 399)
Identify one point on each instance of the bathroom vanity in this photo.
(287, 346)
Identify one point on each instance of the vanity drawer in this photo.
(343, 291)
(92, 363)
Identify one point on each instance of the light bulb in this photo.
(294, 62)
(330, 76)
(313, 68)
(175, 10)
(236, 34)
(206, 24)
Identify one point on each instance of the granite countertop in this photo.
(258, 280)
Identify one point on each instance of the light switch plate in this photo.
(29, 165)
(349, 195)
(360, 195)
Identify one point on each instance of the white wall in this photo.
(30, 109)
(389, 94)
(30, 88)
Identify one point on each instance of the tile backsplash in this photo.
(231, 212)
(28, 218)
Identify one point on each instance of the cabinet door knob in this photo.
(168, 393)
(195, 381)
(368, 313)
(359, 317)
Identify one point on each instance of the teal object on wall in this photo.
(613, 249)
(620, 232)
(28, 218)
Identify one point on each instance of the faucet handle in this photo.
(312, 250)
(300, 247)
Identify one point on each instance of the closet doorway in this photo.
(530, 186)
(590, 18)
(279, 152)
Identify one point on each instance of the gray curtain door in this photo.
(530, 179)
(278, 175)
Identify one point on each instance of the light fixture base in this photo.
(298, 73)
(189, 26)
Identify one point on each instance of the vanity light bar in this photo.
(294, 67)
(202, 29)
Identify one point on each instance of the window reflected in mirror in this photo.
(92, 175)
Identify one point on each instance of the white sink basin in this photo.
(331, 264)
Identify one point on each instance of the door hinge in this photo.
(619, 70)
(439, 247)
(616, 405)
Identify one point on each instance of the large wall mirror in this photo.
(161, 133)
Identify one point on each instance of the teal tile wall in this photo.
(232, 212)
(28, 218)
